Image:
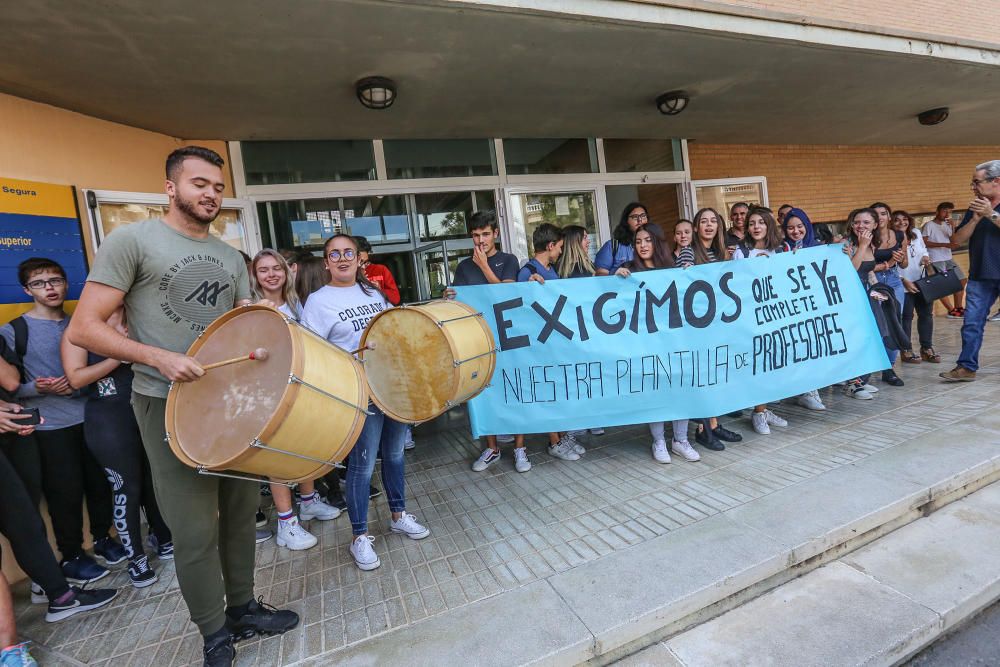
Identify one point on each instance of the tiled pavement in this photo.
(500, 530)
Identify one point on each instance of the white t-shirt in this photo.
(284, 308)
(916, 251)
(340, 314)
(937, 233)
(754, 252)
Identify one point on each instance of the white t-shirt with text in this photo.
(340, 314)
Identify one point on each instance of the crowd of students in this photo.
(101, 426)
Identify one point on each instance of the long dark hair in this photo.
(367, 286)
(851, 235)
(718, 244)
(911, 233)
(310, 276)
(623, 233)
(662, 257)
(772, 239)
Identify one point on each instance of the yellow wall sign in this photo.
(37, 220)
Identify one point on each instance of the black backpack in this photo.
(20, 326)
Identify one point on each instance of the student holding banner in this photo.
(709, 247)
(799, 233)
(861, 224)
(650, 253)
(762, 240)
(618, 250)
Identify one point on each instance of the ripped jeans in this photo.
(379, 432)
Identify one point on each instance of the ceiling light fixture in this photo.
(672, 103)
(933, 116)
(376, 92)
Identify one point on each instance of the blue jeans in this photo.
(891, 279)
(979, 297)
(379, 432)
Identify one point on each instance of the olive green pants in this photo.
(211, 519)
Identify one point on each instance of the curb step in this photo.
(879, 605)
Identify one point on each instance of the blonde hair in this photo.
(573, 255)
(288, 292)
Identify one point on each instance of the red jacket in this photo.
(382, 277)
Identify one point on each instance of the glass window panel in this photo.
(444, 214)
(227, 226)
(306, 223)
(434, 264)
(550, 156)
(445, 158)
(628, 155)
(558, 208)
(722, 197)
(267, 162)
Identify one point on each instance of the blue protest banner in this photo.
(672, 344)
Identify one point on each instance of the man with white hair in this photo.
(981, 228)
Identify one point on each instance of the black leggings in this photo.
(114, 440)
(22, 525)
(69, 472)
(925, 319)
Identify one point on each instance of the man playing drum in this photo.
(174, 279)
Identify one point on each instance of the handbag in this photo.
(935, 285)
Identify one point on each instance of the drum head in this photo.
(411, 372)
(214, 419)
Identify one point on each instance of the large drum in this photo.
(427, 358)
(289, 417)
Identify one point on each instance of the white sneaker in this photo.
(505, 439)
(294, 536)
(408, 443)
(685, 450)
(407, 525)
(485, 460)
(597, 431)
(575, 444)
(521, 462)
(317, 509)
(773, 419)
(364, 553)
(38, 595)
(564, 450)
(759, 420)
(660, 453)
(810, 400)
(857, 391)
(870, 388)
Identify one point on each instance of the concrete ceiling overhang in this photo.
(260, 69)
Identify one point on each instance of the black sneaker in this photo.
(82, 570)
(219, 651)
(707, 439)
(261, 618)
(725, 434)
(164, 551)
(890, 378)
(141, 573)
(373, 492)
(110, 550)
(261, 519)
(336, 500)
(82, 600)
(263, 535)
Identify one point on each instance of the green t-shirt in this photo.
(174, 285)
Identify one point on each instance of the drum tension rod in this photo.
(257, 444)
(455, 319)
(295, 379)
(202, 470)
(458, 363)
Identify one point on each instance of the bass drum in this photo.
(288, 418)
(427, 358)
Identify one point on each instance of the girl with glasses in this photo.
(618, 250)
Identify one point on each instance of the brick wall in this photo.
(958, 21)
(828, 181)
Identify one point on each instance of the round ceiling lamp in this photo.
(672, 103)
(933, 116)
(376, 92)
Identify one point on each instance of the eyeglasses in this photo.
(335, 255)
(638, 216)
(980, 181)
(52, 282)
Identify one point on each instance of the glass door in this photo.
(529, 208)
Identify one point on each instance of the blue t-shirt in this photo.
(604, 260)
(534, 266)
(504, 266)
(984, 248)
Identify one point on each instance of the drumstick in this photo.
(260, 354)
(367, 346)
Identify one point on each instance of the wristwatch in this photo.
(995, 216)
